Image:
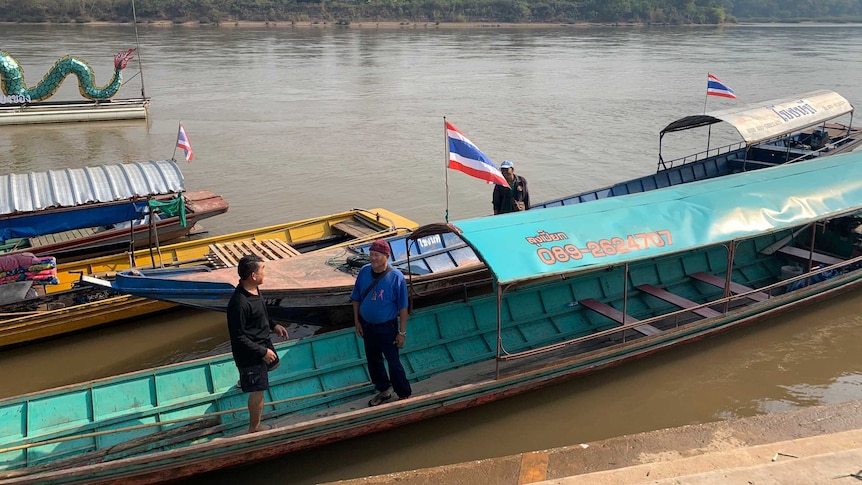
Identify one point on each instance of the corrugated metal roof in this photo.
(71, 187)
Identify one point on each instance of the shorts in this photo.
(254, 378)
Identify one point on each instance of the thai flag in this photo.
(714, 87)
(465, 157)
(183, 142)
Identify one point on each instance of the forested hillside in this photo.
(346, 11)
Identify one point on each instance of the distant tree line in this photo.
(346, 11)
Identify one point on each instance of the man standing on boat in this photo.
(250, 327)
(380, 315)
(512, 198)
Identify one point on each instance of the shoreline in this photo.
(364, 24)
(402, 25)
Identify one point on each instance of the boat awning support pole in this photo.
(708, 139)
(132, 241)
(410, 289)
(499, 331)
(811, 250)
(150, 234)
(625, 298)
(731, 252)
(661, 164)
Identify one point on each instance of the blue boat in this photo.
(442, 267)
(575, 289)
(89, 211)
(772, 132)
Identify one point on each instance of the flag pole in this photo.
(174, 156)
(446, 166)
(709, 131)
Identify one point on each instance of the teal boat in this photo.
(443, 267)
(576, 289)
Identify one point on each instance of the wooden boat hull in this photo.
(51, 323)
(450, 357)
(200, 205)
(333, 230)
(83, 308)
(322, 305)
(308, 288)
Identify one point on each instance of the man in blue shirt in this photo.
(380, 315)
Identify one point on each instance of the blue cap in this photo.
(506, 164)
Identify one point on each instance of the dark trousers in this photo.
(379, 344)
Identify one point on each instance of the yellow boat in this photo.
(272, 242)
(327, 231)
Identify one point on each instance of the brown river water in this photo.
(294, 123)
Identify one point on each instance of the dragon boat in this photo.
(575, 289)
(22, 105)
(68, 307)
(442, 266)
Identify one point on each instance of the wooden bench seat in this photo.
(617, 316)
(802, 255)
(735, 288)
(677, 300)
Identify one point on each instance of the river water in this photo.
(293, 123)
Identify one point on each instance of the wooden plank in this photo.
(245, 247)
(802, 255)
(616, 315)
(354, 228)
(735, 288)
(224, 255)
(287, 248)
(677, 300)
(228, 254)
(279, 249)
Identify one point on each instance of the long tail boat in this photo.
(575, 289)
(67, 309)
(442, 266)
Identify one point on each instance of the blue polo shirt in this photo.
(388, 297)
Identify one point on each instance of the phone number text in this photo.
(605, 247)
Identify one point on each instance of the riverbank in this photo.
(814, 445)
(320, 24)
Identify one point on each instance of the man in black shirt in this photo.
(513, 197)
(249, 327)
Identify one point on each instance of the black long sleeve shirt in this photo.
(249, 327)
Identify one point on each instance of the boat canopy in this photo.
(531, 245)
(770, 119)
(39, 203)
